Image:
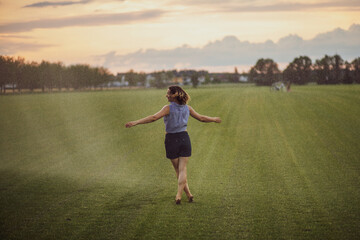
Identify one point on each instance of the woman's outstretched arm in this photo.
(152, 118)
(203, 118)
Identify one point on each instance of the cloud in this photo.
(14, 36)
(276, 6)
(55, 4)
(290, 7)
(62, 3)
(85, 20)
(9, 47)
(230, 51)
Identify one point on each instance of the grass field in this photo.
(279, 166)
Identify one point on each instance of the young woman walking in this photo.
(177, 141)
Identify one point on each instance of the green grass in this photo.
(280, 166)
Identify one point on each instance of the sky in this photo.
(149, 35)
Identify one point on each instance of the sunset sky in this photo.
(147, 35)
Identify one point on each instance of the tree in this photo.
(102, 77)
(32, 75)
(356, 67)
(68, 77)
(338, 65)
(347, 74)
(265, 72)
(44, 74)
(141, 78)
(195, 79)
(169, 75)
(298, 71)
(329, 69)
(20, 76)
(75, 72)
(207, 79)
(322, 68)
(216, 79)
(12, 68)
(7, 74)
(130, 77)
(82, 76)
(160, 78)
(57, 74)
(3, 70)
(234, 77)
(48, 75)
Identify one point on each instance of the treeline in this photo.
(328, 70)
(17, 74)
(161, 79)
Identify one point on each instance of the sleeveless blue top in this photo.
(177, 119)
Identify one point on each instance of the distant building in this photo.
(148, 80)
(201, 79)
(119, 82)
(243, 78)
(187, 81)
(10, 86)
(178, 80)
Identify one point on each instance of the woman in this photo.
(177, 141)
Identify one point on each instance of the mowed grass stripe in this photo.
(280, 166)
(337, 159)
(324, 166)
(203, 181)
(259, 193)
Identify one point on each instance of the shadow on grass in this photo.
(35, 206)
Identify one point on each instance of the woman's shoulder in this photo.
(166, 108)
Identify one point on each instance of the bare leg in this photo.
(182, 180)
(186, 189)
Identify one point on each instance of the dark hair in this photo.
(179, 94)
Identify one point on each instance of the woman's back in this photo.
(176, 120)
